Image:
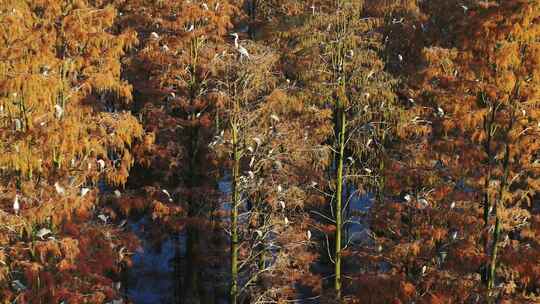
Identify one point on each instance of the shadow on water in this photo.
(186, 267)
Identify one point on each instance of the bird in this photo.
(117, 193)
(243, 52)
(454, 235)
(452, 205)
(168, 194)
(279, 188)
(308, 235)
(282, 204)
(58, 111)
(16, 206)
(400, 57)
(154, 35)
(191, 28)
(101, 164)
(84, 191)
(104, 218)
(43, 232)
(59, 189)
(465, 9)
(408, 198)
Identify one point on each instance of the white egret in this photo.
(101, 164)
(104, 218)
(243, 52)
(281, 204)
(84, 191)
(168, 194)
(454, 235)
(408, 197)
(59, 189)
(58, 111)
(154, 35)
(400, 57)
(16, 206)
(308, 235)
(43, 232)
(117, 193)
(279, 188)
(452, 205)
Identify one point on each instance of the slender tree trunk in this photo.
(497, 230)
(339, 197)
(234, 216)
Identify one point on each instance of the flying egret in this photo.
(16, 206)
(168, 194)
(243, 52)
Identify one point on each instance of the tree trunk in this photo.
(234, 216)
(339, 197)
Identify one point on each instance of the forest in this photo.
(269, 151)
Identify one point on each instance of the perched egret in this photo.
(154, 35)
(243, 52)
(58, 111)
(308, 235)
(454, 235)
(59, 189)
(117, 193)
(43, 232)
(440, 112)
(408, 198)
(16, 206)
(279, 188)
(104, 218)
(286, 221)
(452, 205)
(400, 57)
(424, 268)
(281, 204)
(101, 164)
(84, 191)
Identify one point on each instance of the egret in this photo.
(101, 164)
(308, 235)
(59, 189)
(205, 6)
(465, 9)
(408, 198)
(274, 117)
(16, 206)
(117, 193)
(43, 232)
(58, 111)
(154, 35)
(279, 188)
(454, 235)
(312, 9)
(281, 204)
(400, 57)
(424, 268)
(104, 218)
(286, 221)
(168, 194)
(84, 191)
(440, 112)
(452, 205)
(243, 52)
